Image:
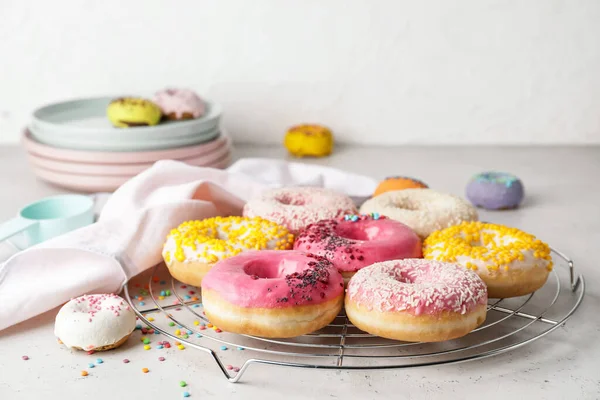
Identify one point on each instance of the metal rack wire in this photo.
(510, 324)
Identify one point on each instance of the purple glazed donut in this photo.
(495, 190)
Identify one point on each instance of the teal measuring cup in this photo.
(48, 218)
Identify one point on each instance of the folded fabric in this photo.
(133, 224)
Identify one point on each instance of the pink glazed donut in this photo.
(297, 207)
(353, 242)
(274, 294)
(416, 300)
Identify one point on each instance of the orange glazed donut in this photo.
(416, 300)
(398, 183)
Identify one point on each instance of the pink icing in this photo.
(274, 279)
(417, 286)
(180, 101)
(352, 245)
(297, 207)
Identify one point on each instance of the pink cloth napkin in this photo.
(128, 237)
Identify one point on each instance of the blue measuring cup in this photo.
(48, 218)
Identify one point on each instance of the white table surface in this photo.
(562, 208)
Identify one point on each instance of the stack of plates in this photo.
(73, 145)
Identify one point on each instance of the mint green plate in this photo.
(82, 125)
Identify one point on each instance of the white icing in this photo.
(197, 254)
(93, 321)
(423, 210)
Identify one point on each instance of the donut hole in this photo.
(262, 270)
(363, 234)
(289, 200)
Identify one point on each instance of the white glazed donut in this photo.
(95, 322)
(297, 207)
(194, 247)
(511, 262)
(423, 210)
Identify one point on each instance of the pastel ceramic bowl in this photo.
(48, 218)
(89, 168)
(105, 157)
(103, 183)
(83, 125)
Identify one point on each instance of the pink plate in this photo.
(107, 157)
(92, 183)
(82, 168)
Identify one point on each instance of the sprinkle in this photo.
(186, 297)
(181, 347)
(182, 384)
(161, 359)
(223, 347)
(145, 370)
(176, 343)
(189, 332)
(162, 293)
(125, 361)
(140, 298)
(84, 373)
(202, 327)
(198, 335)
(91, 365)
(147, 347)
(196, 305)
(90, 352)
(167, 292)
(159, 347)
(25, 358)
(209, 325)
(186, 394)
(218, 330)
(196, 323)
(142, 303)
(150, 319)
(99, 361)
(138, 327)
(171, 323)
(161, 297)
(240, 348)
(146, 341)
(177, 332)
(185, 336)
(236, 369)
(229, 367)
(163, 282)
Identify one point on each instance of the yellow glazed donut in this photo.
(511, 262)
(130, 112)
(194, 247)
(309, 140)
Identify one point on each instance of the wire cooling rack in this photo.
(176, 312)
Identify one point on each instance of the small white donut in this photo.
(95, 322)
(424, 210)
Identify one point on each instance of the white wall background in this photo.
(438, 71)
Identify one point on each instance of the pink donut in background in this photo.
(177, 104)
(354, 242)
(297, 207)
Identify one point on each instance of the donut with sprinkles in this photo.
(192, 249)
(416, 300)
(511, 262)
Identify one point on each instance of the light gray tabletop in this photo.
(562, 207)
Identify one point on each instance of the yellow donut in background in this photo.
(130, 111)
(309, 140)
